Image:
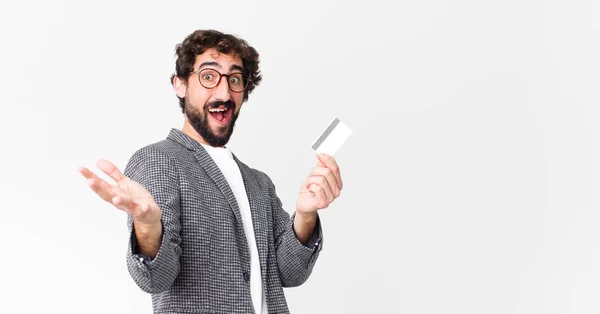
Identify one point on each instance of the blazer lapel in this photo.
(210, 167)
(259, 215)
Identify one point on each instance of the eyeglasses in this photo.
(210, 78)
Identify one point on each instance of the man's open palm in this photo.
(126, 194)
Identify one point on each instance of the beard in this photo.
(199, 121)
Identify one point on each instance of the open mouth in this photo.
(221, 114)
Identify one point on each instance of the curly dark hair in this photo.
(197, 42)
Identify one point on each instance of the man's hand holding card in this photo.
(324, 183)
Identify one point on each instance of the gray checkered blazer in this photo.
(203, 264)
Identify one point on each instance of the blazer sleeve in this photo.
(156, 171)
(295, 260)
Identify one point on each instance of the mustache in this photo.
(216, 104)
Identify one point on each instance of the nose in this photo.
(221, 91)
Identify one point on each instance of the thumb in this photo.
(320, 163)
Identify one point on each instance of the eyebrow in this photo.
(236, 67)
(216, 64)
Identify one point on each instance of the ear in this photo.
(179, 86)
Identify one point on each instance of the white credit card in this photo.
(332, 138)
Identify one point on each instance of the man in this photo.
(208, 233)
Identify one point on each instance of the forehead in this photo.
(224, 60)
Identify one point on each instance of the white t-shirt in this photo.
(224, 159)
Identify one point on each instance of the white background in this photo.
(471, 178)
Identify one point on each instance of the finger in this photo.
(98, 185)
(323, 184)
(101, 188)
(110, 169)
(123, 201)
(320, 195)
(330, 163)
(328, 175)
(87, 173)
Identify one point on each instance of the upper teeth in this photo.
(217, 109)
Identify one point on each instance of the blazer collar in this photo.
(184, 139)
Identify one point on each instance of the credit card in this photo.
(332, 138)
